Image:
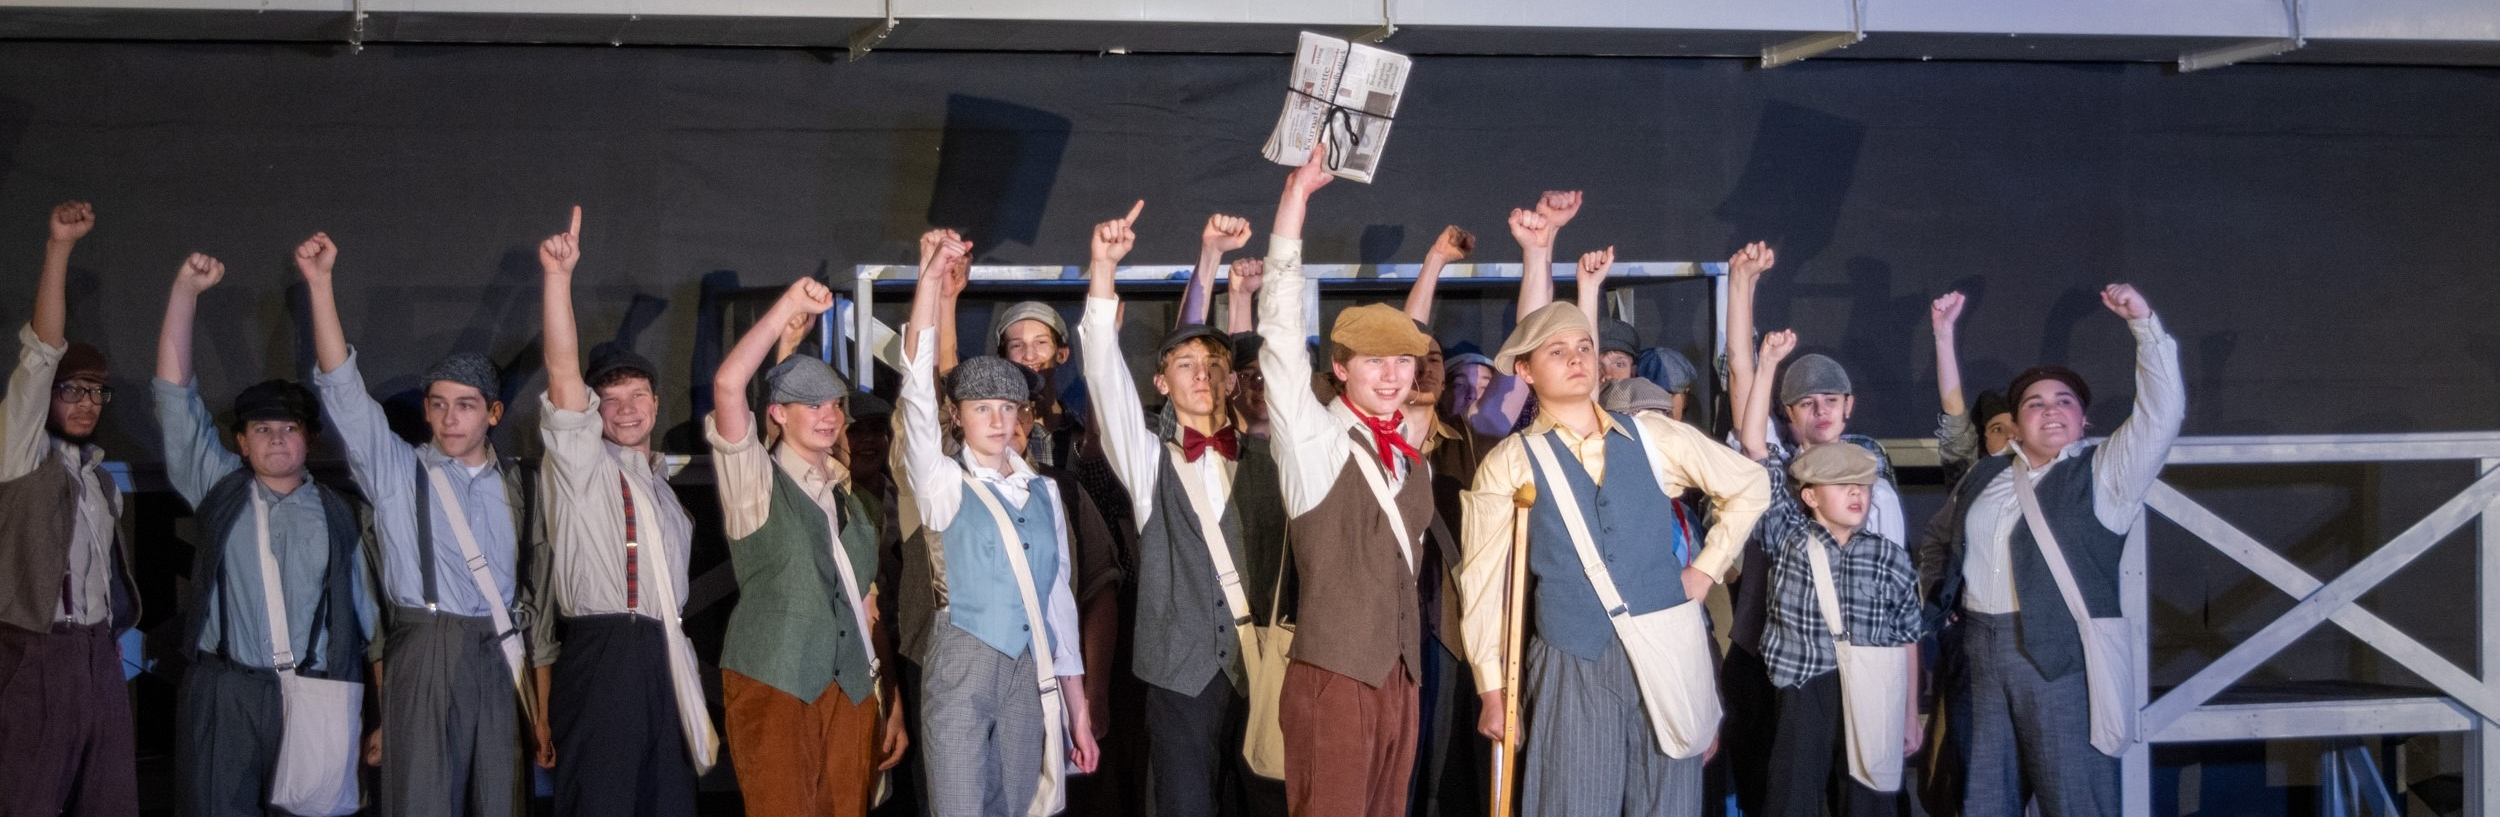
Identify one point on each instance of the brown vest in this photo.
(38, 517)
(1356, 604)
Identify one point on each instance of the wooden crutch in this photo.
(1514, 641)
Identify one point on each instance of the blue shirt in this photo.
(299, 537)
(385, 467)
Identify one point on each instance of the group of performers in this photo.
(1292, 588)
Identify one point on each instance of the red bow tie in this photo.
(1225, 442)
(1389, 435)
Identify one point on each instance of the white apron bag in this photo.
(1874, 687)
(506, 636)
(1669, 649)
(1262, 744)
(322, 719)
(1051, 796)
(693, 717)
(2108, 643)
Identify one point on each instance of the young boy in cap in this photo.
(67, 593)
(1210, 519)
(1826, 563)
(800, 666)
(452, 517)
(620, 716)
(2026, 688)
(1602, 481)
(262, 504)
(1360, 498)
(1002, 669)
(1816, 400)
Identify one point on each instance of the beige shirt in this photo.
(744, 471)
(585, 513)
(24, 443)
(1679, 456)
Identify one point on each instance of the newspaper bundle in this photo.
(1346, 93)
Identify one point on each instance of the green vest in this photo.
(792, 629)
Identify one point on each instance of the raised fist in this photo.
(2124, 300)
(1224, 233)
(198, 273)
(315, 257)
(809, 296)
(1453, 246)
(1945, 312)
(1593, 266)
(1558, 206)
(71, 220)
(1531, 229)
(1777, 345)
(1247, 274)
(1750, 262)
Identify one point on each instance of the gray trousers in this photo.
(226, 739)
(1589, 749)
(980, 727)
(2029, 736)
(451, 734)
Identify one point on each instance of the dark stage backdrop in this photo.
(2322, 240)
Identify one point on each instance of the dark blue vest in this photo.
(1635, 530)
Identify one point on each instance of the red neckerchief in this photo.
(1225, 442)
(1389, 435)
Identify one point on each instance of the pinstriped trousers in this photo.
(1589, 749)
(980, 726)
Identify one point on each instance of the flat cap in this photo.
(988, 377)
(1837, 463)
(1538, 327)
(1378, 329)
(804, 379)
(278, 400)
(1811, 375)
(1030, 311)
(1633, 394)
(1668, 368)
(1616, 336)
(468, 369)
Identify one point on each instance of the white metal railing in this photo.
(2471, 705)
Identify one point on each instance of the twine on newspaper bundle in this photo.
(1337, 126)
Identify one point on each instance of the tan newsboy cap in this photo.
(1834, 463)
(1537, 328)
(1378, 329)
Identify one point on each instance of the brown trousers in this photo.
(797, 759)
(1349, 746)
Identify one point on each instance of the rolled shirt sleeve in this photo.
(1308, 442)
(195, 459)
(27, 405)
(743, 473)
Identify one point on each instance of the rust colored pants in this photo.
(1349, 747)
(797, 759)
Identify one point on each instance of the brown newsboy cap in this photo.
(1378, 329)
(1834, 463)
(1538, 327)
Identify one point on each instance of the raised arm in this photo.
(1594, 265)
(561, 346)
(2135, 453)
(1744, 273)
(1222, 234)
(730, 413)
(933, 483)
(1753, 418)
(1239, 289)
(316, 258)
(1535, 231)
(1452, 247)
(1299, 428)
(1119, 418)
(1941, 316)
(954, 276)
(70, 222)
(173, 339)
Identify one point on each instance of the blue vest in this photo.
(981, 594)
(1635, 530)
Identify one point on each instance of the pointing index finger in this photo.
(1133, 210)
(576, 231)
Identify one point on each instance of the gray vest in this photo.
(1184, 626)
(2048, 633)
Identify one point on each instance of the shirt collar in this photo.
(1547, 422)
(1018, 471)
(833, 473)
(435, 457)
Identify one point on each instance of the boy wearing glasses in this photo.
(65, 586)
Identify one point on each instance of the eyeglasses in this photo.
(74, 394)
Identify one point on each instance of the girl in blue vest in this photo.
(1003, 705)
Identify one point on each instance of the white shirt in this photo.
(933, 485)
(24, 443)
(580, 478)
(1120, 420)
(1309, 440)
(2130, 460)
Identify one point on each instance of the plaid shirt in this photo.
(1878, 587)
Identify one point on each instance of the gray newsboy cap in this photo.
(1812, 375)
(988, 377)
(468, 369)
(803, 379)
